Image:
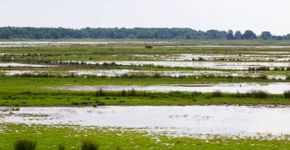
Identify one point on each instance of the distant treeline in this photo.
(135, 33)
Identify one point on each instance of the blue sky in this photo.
(258, 15)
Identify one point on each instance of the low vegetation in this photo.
(255, 94)
(88, 145)
(24, 144)
(287, 94)
(49, 137)
(135, 98)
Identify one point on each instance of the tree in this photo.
(288, 36)
(238, 35)
(130, 33)
(230, 35)
(249, 35)
(266, 35)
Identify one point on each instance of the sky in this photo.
(257, 15)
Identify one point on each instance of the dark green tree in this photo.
(238, 35)
(288, 37)
(266, 35)
(249, 35)
(230, 35)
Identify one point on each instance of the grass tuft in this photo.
(88, 145)
(61, 147)
(24, 144)
(216, 94)
(254, 93)
(287, 94)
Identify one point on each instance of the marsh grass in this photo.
(287, 94)
(254, 93)
(148, 46)
(24, 144)
(88, 145)
(142, 76)
(258, 94)
(216, 94)
(259, 68)
(61, 147)
(134, 93)
(100, 92)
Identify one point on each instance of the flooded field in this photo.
(152, 91)
(274, 88)
(175, 120)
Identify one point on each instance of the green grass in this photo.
(134, 98)
(29, 91)
(40, 83)
(88, 145)
(115, 52)
(25, 145)
(49, 137)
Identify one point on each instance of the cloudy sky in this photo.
(258, 15)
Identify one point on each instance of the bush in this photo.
(132, 93)
(148, 46)
(87, 145)
(61, 147)
(258, 94)
(287, 94)
(216, 94)
(100, 92)
(25, 145)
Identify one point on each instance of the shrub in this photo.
(263, 68)
(61, 147)
(216, 94)
(87, 145)
(201, 59)
(264, 77)
(287, 94)
(131, 93)
(25, 145)
(193, 94)
(148, 46)
(100, 92)
(258, 94)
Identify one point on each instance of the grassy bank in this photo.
(48, 138)
(117, 52)
(10, 83)
(32, 91)
(134, 98)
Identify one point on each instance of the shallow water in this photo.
(122, 72)
(227, 46)
(274, 88)
(176, 120)
(216, 57)
(143, 73)
(209, 65)
(24, 65)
